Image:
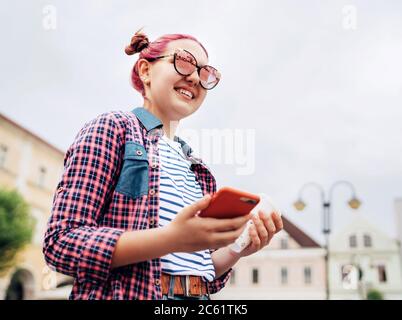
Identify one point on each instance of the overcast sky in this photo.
(321, 91)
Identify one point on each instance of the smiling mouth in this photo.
(184, 93)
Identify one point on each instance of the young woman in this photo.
(124, 220)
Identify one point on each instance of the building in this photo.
(33, 167)
(398, 219)
(292, 266)
(362, 258)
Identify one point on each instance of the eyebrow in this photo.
(205, 64)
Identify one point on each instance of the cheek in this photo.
(163, 86)
(165, 81)
(202, 96)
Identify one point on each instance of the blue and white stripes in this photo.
(178, 189)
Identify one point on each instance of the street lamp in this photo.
(354, 203)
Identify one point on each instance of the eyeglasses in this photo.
(185, 64)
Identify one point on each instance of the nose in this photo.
(193, 78)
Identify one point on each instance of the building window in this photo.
(307, 275)
(233, 278)
(382, 274)
(353, 241)
(3, 154)
(42, 176)
(284, 275)
(284, 243)
(255, 276)
(367, 241)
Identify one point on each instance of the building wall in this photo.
(398, 219)
(26, 155)
(269, 263)
(369, 264)
(384, 251)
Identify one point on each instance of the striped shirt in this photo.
(178, 189)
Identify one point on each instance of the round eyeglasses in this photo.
(185, 64)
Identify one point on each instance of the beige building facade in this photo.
(33, 167)
(291, 267)
(362, 258)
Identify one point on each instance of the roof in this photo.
(298, 235)
(30, 133)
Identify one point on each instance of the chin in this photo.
(183, 109)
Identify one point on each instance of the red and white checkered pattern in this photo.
(88, 215)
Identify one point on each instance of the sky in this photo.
(315, 86)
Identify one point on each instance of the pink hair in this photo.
(155, 49)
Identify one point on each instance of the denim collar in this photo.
(149, 121)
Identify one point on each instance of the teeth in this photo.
(185, 92)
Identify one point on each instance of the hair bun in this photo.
(138, 43)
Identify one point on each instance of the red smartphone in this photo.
(230, 203)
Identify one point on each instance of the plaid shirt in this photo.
(110, 185)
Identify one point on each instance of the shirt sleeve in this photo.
(74, 243)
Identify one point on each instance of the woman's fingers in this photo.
(221, 239)
(222, 225)
(199, 205)
(276, 218)
(261, 230)
(255, 239)
(269, 224)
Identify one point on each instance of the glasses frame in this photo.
(198, 68)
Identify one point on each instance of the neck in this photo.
(169, 125)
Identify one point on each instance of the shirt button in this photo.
(139, 152)
(154, 165)
(152, 192)
(157, 282)
(60, 189)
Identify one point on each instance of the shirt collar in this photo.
(148, 120)
(186, 148)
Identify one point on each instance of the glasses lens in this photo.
(185, 63)
(209, 77)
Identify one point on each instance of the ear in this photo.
(144, 68)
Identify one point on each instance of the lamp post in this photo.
(354, 203)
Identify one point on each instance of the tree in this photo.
(16, 227)
(374, 294)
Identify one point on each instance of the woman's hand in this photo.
(190, 233)
(265, 226)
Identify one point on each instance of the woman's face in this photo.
(165, 82)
